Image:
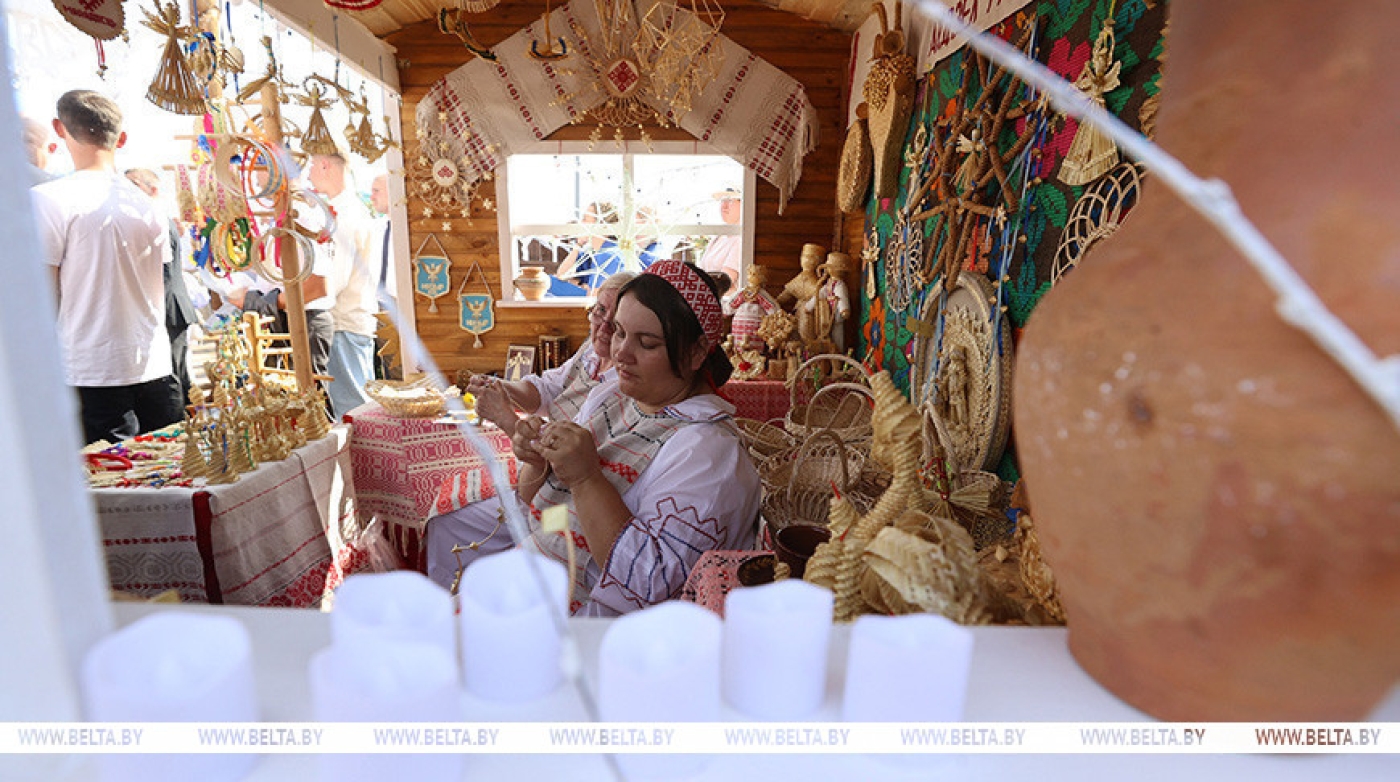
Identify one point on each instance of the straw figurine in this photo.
(193, 465)
(1092, 153)
(175, 87)
(317, 139)
(317, 424)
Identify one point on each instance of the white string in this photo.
(1297, 304)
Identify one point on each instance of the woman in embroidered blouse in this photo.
(654, 473)
(559, 391)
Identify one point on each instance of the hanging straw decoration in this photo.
(317, 138)
(175, 88)
(1092, 153)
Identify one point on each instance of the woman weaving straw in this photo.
(562, 390)
(654, 476)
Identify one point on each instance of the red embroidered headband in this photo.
(697, 294)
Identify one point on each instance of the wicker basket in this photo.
(820, 462)
(763, 439)
(421, 398)
(842, 402)
(843, 408)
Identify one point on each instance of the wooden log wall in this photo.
(813, 54)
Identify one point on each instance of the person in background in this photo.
(353, 266)
(387, 291)
(108, 246)
(725, 254)
(594, 258)
(652, 470)
(561, 390)
(38, 145)
(179, 309)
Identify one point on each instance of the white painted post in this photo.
(53, 584)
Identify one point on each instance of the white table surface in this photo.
(1018, 675)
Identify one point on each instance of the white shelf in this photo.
(1018, 675)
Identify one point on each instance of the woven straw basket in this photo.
(762, 438)
(844, 403)
(421, 398)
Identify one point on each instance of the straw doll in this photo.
(1092, 154)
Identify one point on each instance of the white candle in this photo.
(401, 605)
(776, 638)
(510, 644)
(661, 664)
(907, 669)
(173, 667)
(374, 679)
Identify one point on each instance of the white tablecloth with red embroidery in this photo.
(283, 535)
(408, 470)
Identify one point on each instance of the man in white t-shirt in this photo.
(108, 245)
(726, 253)
(352, 283)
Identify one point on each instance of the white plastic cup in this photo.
(173, 667)
(373, 679)
(402, 605)
(907, 669)
(510, 644)
(776, 639)
(661, 664)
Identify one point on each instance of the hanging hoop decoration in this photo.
(313, 198)
(231, 245)
(274, 273)
(432, 274)
(477, 316)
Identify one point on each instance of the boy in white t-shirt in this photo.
(107, 244)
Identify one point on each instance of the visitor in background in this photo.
(353, 264)
(38, 145)
(179, 309)
(108, 246)
(593, 259)
(387, 291)
(725, 254)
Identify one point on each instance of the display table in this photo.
(282, 535)
(408, 470)
(1018, 674)
(761, 400)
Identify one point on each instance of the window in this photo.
(582, 215)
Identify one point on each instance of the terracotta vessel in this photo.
(1219, 501)
(532, 283)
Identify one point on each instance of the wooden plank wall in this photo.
(811, 53)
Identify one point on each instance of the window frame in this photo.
(629, 150)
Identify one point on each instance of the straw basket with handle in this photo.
(762, 438)
(843, 403)
(798, 483)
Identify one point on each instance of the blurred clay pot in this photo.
(1220, 502)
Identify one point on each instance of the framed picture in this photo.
(520, 361)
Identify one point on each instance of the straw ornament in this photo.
(317, 138)
(1036, 575)
(175, 87)
(1092, 153)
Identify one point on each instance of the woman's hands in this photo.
(525, 442)
(571, 452)
(492, 402)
